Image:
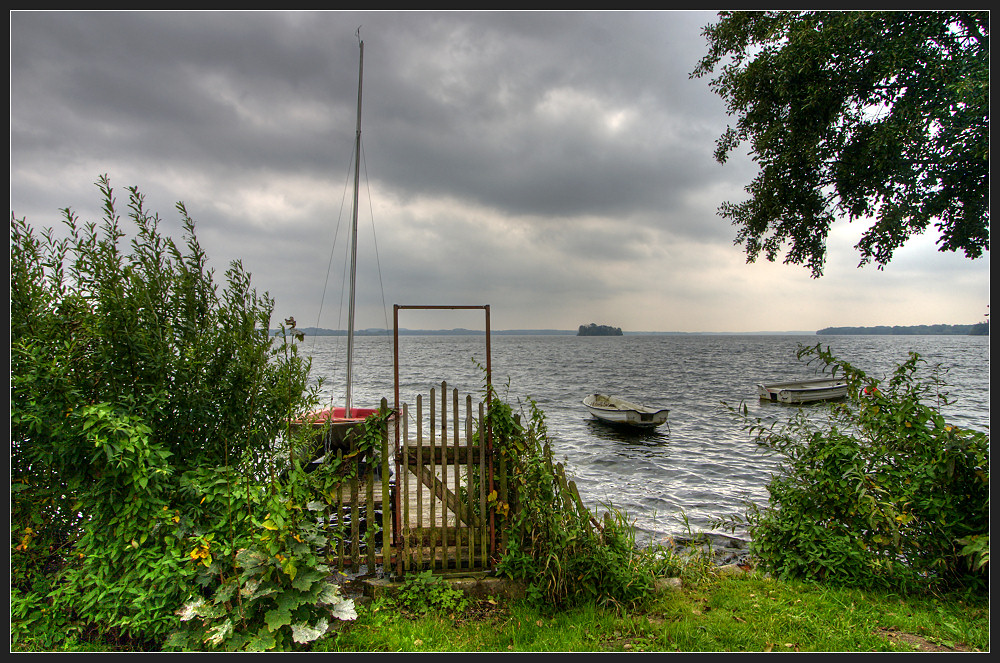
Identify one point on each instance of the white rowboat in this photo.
(615, 410)
(803, 391)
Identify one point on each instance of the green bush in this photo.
(275, 591)
(147, 413)
(552, 541)
(881, 491)
(427, 593)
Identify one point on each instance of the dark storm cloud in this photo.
(513, 111)
(558, 164)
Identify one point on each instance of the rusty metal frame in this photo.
(396, 524)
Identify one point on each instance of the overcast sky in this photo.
(556, 166)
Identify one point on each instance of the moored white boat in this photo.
(803, 391)
(614, 410)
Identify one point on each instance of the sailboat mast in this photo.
(354, 235)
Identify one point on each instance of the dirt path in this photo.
(918, 643)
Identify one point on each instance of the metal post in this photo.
(396, 499)
(354, 238)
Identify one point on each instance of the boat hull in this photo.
(620, 412)
(333, 430)
(803, 391)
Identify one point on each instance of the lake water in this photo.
(704, 465)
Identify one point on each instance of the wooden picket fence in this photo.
(445, 520)
(433, 510)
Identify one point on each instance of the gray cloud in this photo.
(557, 165)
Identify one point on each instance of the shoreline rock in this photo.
(723, 549)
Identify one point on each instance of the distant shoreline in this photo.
(979, 329)
(915, 330)
(313, 331)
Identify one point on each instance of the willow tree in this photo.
(875, 116)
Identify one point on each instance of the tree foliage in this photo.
(869, 115)
(594, 329)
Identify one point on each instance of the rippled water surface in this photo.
(704, 465)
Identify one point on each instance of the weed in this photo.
(884, 493)
(427, 593)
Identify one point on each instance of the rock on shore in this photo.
(722, 549)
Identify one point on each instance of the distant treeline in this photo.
(599, 330)
(978, 329)
(318, 331)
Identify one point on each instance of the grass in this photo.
(743, 613)
(711, 612)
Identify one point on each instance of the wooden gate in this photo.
(443, 483)
(443, 519)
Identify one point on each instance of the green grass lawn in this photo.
(745, 613)
(710, 612)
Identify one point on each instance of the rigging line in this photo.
(333, 248)
(329, 266)
(378, 263)
(343, 285)
(340, 314)
(343, 288)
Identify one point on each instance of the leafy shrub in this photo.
(274, 593)
(552, 541)
(425, 592)
(881, 492)
(148, 409)
(271, 589)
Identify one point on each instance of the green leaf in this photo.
(304, 632)
(225, 592)
(218, 633)
(249, 558)
(344, 610)
(263, 640)
(304, 581)
(277, 617)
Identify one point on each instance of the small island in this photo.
(599, 330)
